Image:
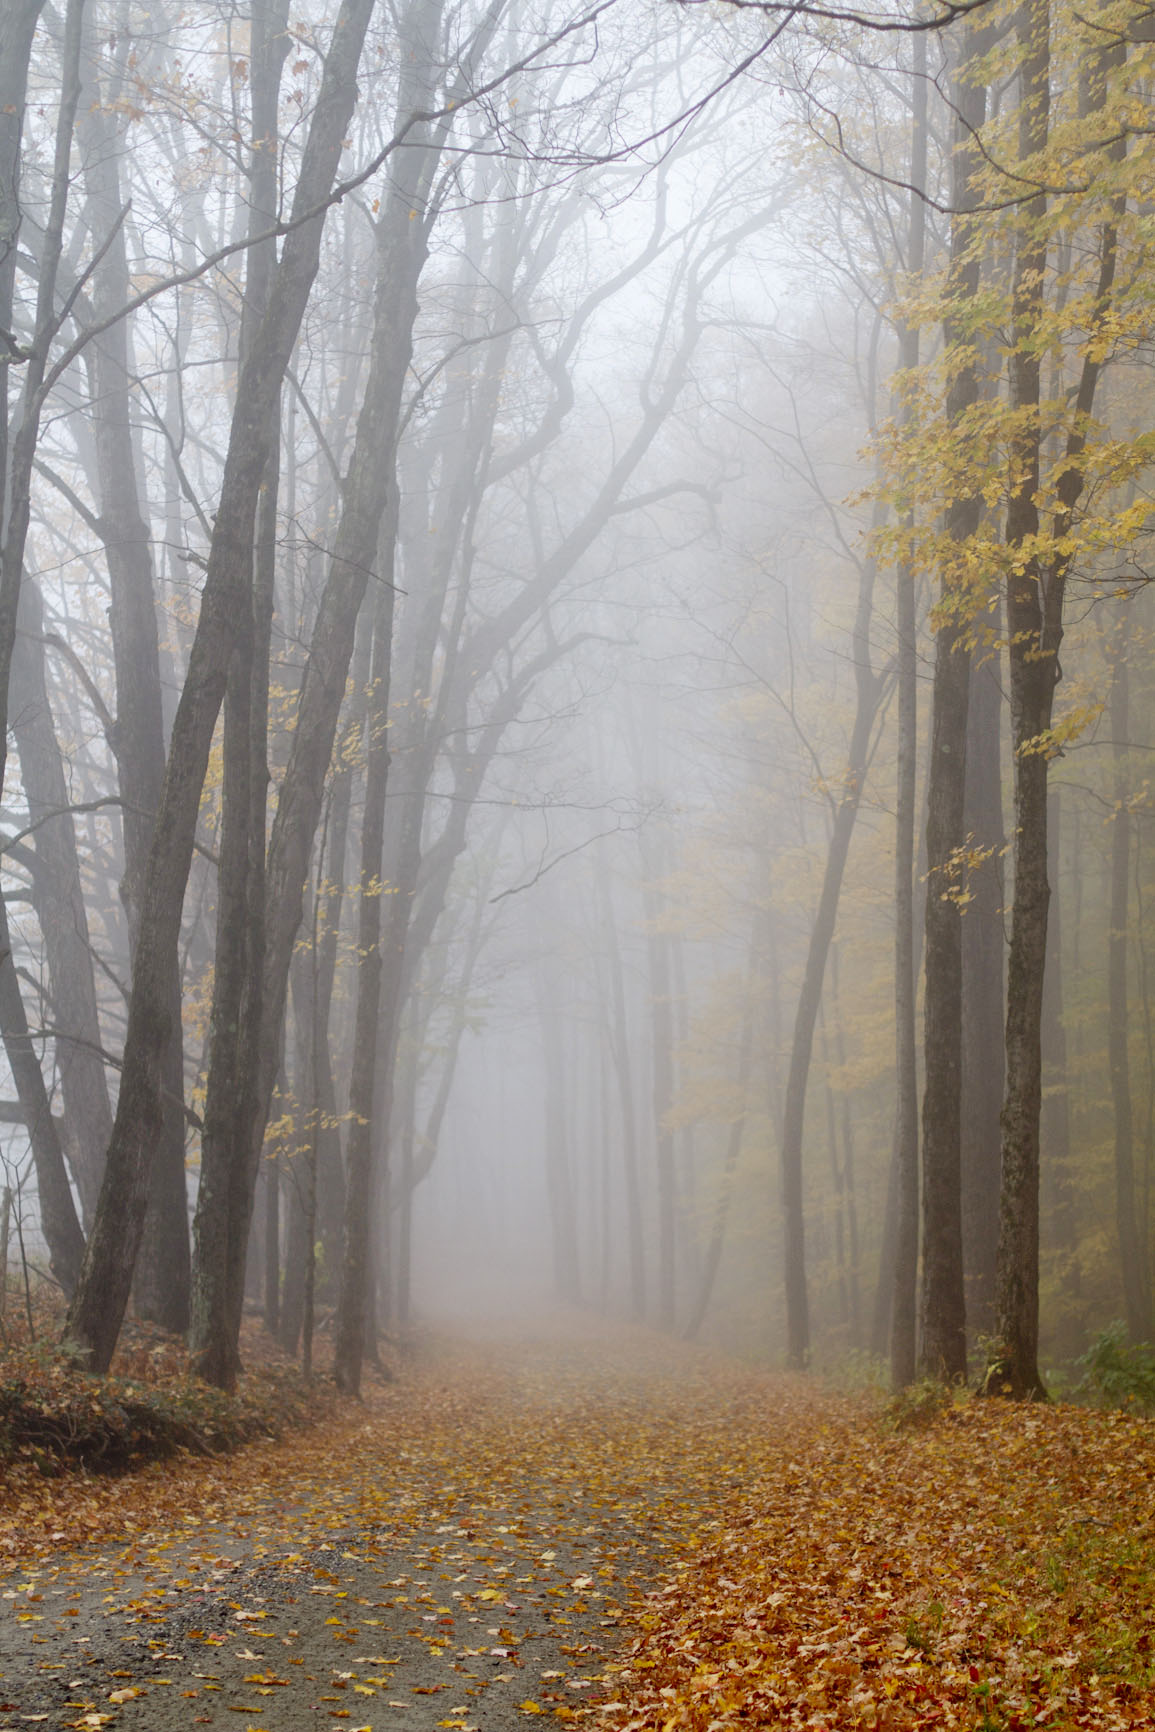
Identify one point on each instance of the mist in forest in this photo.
(574, 630)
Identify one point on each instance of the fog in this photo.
(541, 778)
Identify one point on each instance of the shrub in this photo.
(1117, 1373)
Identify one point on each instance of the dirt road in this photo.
(461, 1554)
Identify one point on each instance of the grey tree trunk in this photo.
(942, 1350)
(161, 1285)
(1034, 624)
(1055, 1122)
(662, 1079)
(353, 1298)
(983, 948)
(98, 1306)
(868, 693)
(1035, 598)
(903, 1334)
(558, 1112)
(60, 906)
(713, 1258)
(617, 1033)
(1130, 1223)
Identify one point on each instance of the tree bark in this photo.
(903, 1335)
(983, 948)
(352, 1301)
(618, 1037)
(98, 1306)
(558, 1168)
(942, 1351)
(1130, 1224)
(161, 1286)
(867, 696)
(60, 906)
(662, 1080)
(1034, 625)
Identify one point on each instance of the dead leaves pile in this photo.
(994, 1570)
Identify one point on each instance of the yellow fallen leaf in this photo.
(531, 1708)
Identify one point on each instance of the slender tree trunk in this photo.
(1129, 1217)
(713, 1258)
(942, 1351)
(58, 1219)
(982, 1010)
(352, 1304)
(618, 1031)
(1055, 1121)
(272, 1173)
(1033, 652)
(558, 1167)
(868, 694)
(662, 1062)
(60, 906)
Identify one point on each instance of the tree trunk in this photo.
(59, 901)
(352, 1302)
(867, 698)
(98, 1305)
(1129, 1217)
(942, 1351)
(1033, 651)
(558, 1169)
(982, 992)
(58, 1219)
(228, 1144)
(161, 1286)
(618, 1036)
(1055, 1121)
(903, 1338)
(713, 1258)
(662, 1062)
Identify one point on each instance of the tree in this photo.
(98, 1306)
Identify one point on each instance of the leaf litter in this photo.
(608, 1528)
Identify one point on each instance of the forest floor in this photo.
(600, 1526)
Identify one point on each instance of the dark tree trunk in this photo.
(983, 948)
(161, 1286)
(1035, 597)
(1129, 1217)
(942, 1351)
(1033, 651)
(402, 247)
(353, 1316)
(228, 1143)
(272, 1172)
(1055, 1122)
(98, 1305)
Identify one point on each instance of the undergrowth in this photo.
(54, 1418)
